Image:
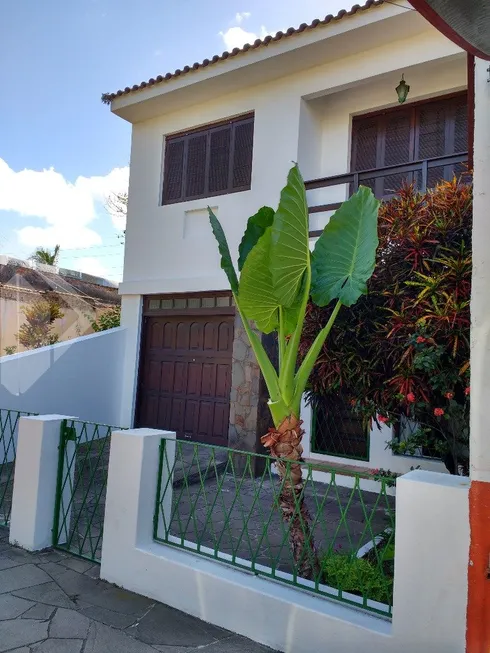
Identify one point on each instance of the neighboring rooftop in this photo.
(25, 275)
(259, 43)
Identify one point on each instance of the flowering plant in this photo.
(404, 348)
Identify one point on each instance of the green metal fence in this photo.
(9, 427)
(81, 488)
(225, 505)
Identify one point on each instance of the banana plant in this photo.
(278, 276)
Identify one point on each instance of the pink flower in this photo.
(421, 339)
(438, 412)
(411, 397)
(467, 391)
(382, 419)
(449, 395)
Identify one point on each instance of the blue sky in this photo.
(61, 149)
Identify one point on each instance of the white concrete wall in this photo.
(82, 377)
(432, 537)
(480, 295)
(170, 248)
(304, 117)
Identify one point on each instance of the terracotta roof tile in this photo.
(108, 97)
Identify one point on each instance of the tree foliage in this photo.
(117, 205)
(38, 329)
(404, 349)
(277, 274)
(109, 319)
(46, 256)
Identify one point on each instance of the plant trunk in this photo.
(284, 442)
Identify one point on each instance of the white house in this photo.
(223, 133)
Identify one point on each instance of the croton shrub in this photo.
(404, 348)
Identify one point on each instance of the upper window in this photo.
(213, 160)
(423, 131)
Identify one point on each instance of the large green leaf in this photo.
(256, 226)
(290, 254)
(344, 255)
(256, 292)
(224, 250)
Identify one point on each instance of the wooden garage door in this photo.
(185, 376)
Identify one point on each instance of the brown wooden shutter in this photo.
(219, 159)
(365, 147)
(397, 148)
(173, 170)
(242, 154)
(210, 161)
(195, 178)
(422, 131)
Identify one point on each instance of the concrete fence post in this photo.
(431, 562)
(131, 494)
(34, 493)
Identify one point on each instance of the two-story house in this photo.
(223, 133)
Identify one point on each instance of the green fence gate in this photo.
(81, 488)
(9, 428)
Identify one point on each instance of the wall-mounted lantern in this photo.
(402, 90)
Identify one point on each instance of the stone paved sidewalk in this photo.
(54, 603)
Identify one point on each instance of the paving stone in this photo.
(52, 556)
(69, 623)
(12, 607)
(118, 600)
(78, 585)
(166, 626)
(77, 564)
(39, 611)
(93, 572)
(48, 593)
(103, 639)
(19, 632)
(53, 569)
(7, 563)
(19, 577)
(109, 617)
(21, 555)
(173, 649)
(59, 646)
(237, 644)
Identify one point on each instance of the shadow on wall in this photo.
(79, 378)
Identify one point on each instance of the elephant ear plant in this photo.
(278, 275)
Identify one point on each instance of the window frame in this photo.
(208, 130)
(412, 110)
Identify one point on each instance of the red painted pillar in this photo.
(478, 610)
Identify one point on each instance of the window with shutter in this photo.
(219, 160)
(210, 161)
(403, 135)
(174, 163)
(242, 155)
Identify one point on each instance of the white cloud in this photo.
(239, 17)
(92, 265)
(236, 37)
(68, 208)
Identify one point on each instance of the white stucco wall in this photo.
(429, 606)
(171, 248)
(81, 378)
(302, 116)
